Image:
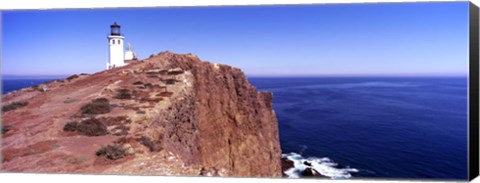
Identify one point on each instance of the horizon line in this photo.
(57, 76)
(365, 75)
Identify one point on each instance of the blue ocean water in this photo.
(401, 127)
(11, 84)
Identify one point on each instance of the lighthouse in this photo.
(115, 42)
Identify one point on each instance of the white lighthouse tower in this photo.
(115, 42)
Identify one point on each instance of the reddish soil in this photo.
(203, 118)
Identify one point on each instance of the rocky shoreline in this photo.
(288, 164)
(296, 166)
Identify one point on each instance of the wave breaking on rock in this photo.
(313, 166)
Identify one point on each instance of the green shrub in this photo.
(97, 106)
(111, 152)
(13, 106)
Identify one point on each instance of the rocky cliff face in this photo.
(171, 114)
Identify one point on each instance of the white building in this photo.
(130, 55)
(116, 52)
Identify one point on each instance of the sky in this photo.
(373, 39)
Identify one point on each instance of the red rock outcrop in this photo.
(170, 114)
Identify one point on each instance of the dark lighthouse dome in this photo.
(115, 29)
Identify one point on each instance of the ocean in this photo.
(11, 84)
(372, 127)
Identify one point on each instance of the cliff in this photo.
(171, 114)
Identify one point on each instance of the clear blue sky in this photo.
(330, 39)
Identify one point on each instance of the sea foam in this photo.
(324, 166)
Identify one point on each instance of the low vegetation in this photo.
(152, 73)
(170, 81)
(138, 83)
(88, 127)
(13, 106)
(147, 142)
(152, 76)
(112, 121)
(140, 94)
(72, 77)
(123, 94)
(5, 129)
(175, 72)
(155, 100)
(70, 126)
(148, 85)
(97, 106)
(111, 152)
(92, 127)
